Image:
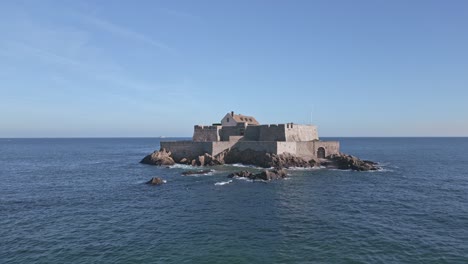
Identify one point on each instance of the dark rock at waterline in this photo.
(347, 162)
(266, 175)
(242, 174)
(197, 172)
(155, 181)
(160, 158)
(287, 160)
(263, 159)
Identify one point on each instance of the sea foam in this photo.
(223, 183)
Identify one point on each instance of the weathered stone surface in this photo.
(248, 157)
(266, 175)
(196, 172)
(287, 160)
(155, 181)
(347, 162)
(242, 174)
(160, 158)
(208, 160)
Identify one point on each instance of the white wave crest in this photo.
(242, 178)
(305, 168)
(240, 165)
(223, 183)
(182, 166)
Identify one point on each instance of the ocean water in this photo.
(85, 201)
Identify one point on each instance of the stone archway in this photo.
(321, 153)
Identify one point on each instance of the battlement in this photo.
(201, 127)
(267, 132)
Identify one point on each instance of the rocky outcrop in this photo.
(262, 159)
(287, 160)
(347, 162)
(274, 174)
(203, 160)
(266, 175)
(248, 157)
(160, 158)
(241, 174)
(197, 172)
(155, 181)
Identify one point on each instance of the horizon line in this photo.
(163, 137)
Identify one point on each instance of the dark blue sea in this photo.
(85, 201)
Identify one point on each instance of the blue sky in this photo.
(149, 68)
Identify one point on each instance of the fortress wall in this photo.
(206, 133)
(286, 147)
(331, 147)
(306, 150)
(186, 149)
(252, 133)
(226, 132)
(220, 146)
(236, 138)
(270, 147)
(272, 133)
(301, 132)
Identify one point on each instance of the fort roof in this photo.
(245, 119)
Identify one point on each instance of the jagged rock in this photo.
(243, 174)
(191, 172)
(266, 175)
(160, 158)
(345, 162)
(248, 156)
(263, 159)
(155, 181)
(314, 163)
(287, 160)
(201, 161)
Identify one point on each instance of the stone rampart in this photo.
(286, 147)
(252, 133)
(206, 133)
(264, 146)
(187, 149)
(218, 147)
(229, 131)
(301, 132)
(331, 147)
(304, 149)
(272, 133)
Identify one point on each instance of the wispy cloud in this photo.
(67, 54)
(124, 32)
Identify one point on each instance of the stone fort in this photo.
(244, 132)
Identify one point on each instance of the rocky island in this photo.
(241, 139)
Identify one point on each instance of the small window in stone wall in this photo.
(227, 120)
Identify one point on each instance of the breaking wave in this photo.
(223, 183)
(242, 179)
(240, 165)
(182, 166)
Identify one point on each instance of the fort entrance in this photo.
(321, 153)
